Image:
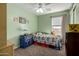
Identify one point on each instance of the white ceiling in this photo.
(50, 7)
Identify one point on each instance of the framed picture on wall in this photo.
(22, 20)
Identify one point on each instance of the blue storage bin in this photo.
(29, 38)
(30, 41)
(25, 41)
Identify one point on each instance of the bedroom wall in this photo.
(45, 22)
(77, 14)
(74, 18)
(13, 33)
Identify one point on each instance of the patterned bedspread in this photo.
(46, 38)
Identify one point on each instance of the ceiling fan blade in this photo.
(48, 9)
(47, 3)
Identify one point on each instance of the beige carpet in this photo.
(39, 51)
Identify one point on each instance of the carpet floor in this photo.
(39, 51)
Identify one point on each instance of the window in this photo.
(57, 25)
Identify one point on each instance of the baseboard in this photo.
(15, 47)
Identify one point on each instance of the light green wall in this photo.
(44, 21)
(74, 18)
(77, 14)
(13, 33)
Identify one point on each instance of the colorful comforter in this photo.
(46, 38)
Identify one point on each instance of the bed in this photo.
(48, 39)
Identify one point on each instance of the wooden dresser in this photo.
(72, 43)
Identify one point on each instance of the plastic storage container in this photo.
(25, 41)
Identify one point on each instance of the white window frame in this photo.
(57, 24)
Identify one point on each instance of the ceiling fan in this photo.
(42, 7)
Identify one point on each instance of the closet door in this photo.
(2, 24)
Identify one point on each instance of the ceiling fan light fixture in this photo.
(39, 10)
